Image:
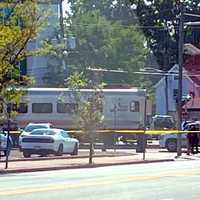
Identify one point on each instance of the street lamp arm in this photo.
(191, 15)
(192, 23)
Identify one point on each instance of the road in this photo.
(161, 181)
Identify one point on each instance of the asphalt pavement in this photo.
(156, 181)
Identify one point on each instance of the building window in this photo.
(66, 107)
(175, 93)
(42, 108)
(175, 78)
(134, 106)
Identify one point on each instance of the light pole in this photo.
(8, 145)
(180, 77)
(61, 18)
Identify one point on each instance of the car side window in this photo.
(65, 134)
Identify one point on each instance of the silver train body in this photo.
(122, 108)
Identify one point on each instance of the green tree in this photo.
(103, 43)
(89, 111)
(160, 20)
(20, 22)
(118, 10)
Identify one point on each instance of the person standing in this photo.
(193, 140)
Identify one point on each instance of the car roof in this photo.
(47, 129)
(39, 124)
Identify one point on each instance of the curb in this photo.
(64, 157)
(11, 171)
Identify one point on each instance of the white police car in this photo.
(169, 141)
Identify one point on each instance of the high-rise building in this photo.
(36, 66)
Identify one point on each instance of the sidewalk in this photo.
(68, 162)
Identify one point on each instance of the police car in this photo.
(169, 141)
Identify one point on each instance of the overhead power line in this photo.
(175, 73)
(126, 26)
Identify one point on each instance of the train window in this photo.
(66, 107)
(22, 108)
(134, 106)
(42, 108)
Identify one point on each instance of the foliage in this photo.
(103, 43)
(90, 107)
(19, 24)
(160, 21)
(118, 10)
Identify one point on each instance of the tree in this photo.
(89, 111)
(160, 21)
(119, 10)
(20, 22)
(103, 43)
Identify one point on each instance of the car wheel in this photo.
(171, 145)
(60, 150)
(43, 154)
(26, 154)
(75, 151)
(5, 152)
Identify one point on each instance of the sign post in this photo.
(8, 145)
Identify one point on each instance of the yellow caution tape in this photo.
(139, 131)
(128, 131)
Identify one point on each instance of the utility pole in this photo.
(166, 94)
(8, 145)
(61, 19)
(180, 71)
(165, 63)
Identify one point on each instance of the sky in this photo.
(65, 6)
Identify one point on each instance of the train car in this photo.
(122, 108)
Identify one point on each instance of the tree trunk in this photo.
(91, 152)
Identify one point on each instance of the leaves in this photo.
(20, 22)
(108, 44)
(89, 112)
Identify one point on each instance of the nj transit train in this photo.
(122, 108)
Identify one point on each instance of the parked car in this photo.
(3, 144)
(49, 141)
(169, 141)
(32, 126)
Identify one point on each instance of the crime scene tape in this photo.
(128, 132)
(140, 131)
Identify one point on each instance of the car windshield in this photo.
(30, 128)
(163, 122)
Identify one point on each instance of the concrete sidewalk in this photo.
(82, 162)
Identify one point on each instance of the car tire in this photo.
(43, 154)
(75, 151)
(171, 145)
(26, 154)
(5, 152)
(60, 150)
